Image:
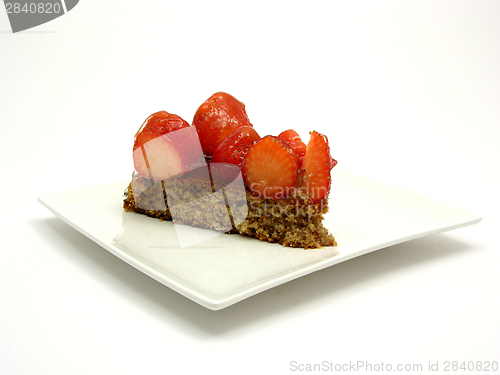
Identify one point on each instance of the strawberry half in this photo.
(217, 118)
(270, 168)
(291, 137)
(165, 146)
(315, 173)
(234, 148)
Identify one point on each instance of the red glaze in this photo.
(234, 148)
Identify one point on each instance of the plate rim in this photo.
(214, 303)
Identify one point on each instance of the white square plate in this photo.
(366, 215)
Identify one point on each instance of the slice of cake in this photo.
(219, 174)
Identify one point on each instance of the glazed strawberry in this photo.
(165, 146)
(217, 118)
(157, 124)
(293, 139)
(315, 174)
(234, 148)
(270, 168)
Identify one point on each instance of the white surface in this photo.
(408, 93)
(218, 270)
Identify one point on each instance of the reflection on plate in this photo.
(366, 215)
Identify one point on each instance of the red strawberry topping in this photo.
(293, 139)
(234, 148)
(165, 146)
(270, 168)
(217, 118)
(315, 177)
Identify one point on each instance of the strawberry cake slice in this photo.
(220, 174)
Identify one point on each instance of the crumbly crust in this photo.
(294, 222)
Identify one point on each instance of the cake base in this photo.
(231, 208)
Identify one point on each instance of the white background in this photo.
(408, 93)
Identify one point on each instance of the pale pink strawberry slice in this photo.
(157, 159)
(157, 124)
(270, 168)
(166, 146)
(187, 144)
